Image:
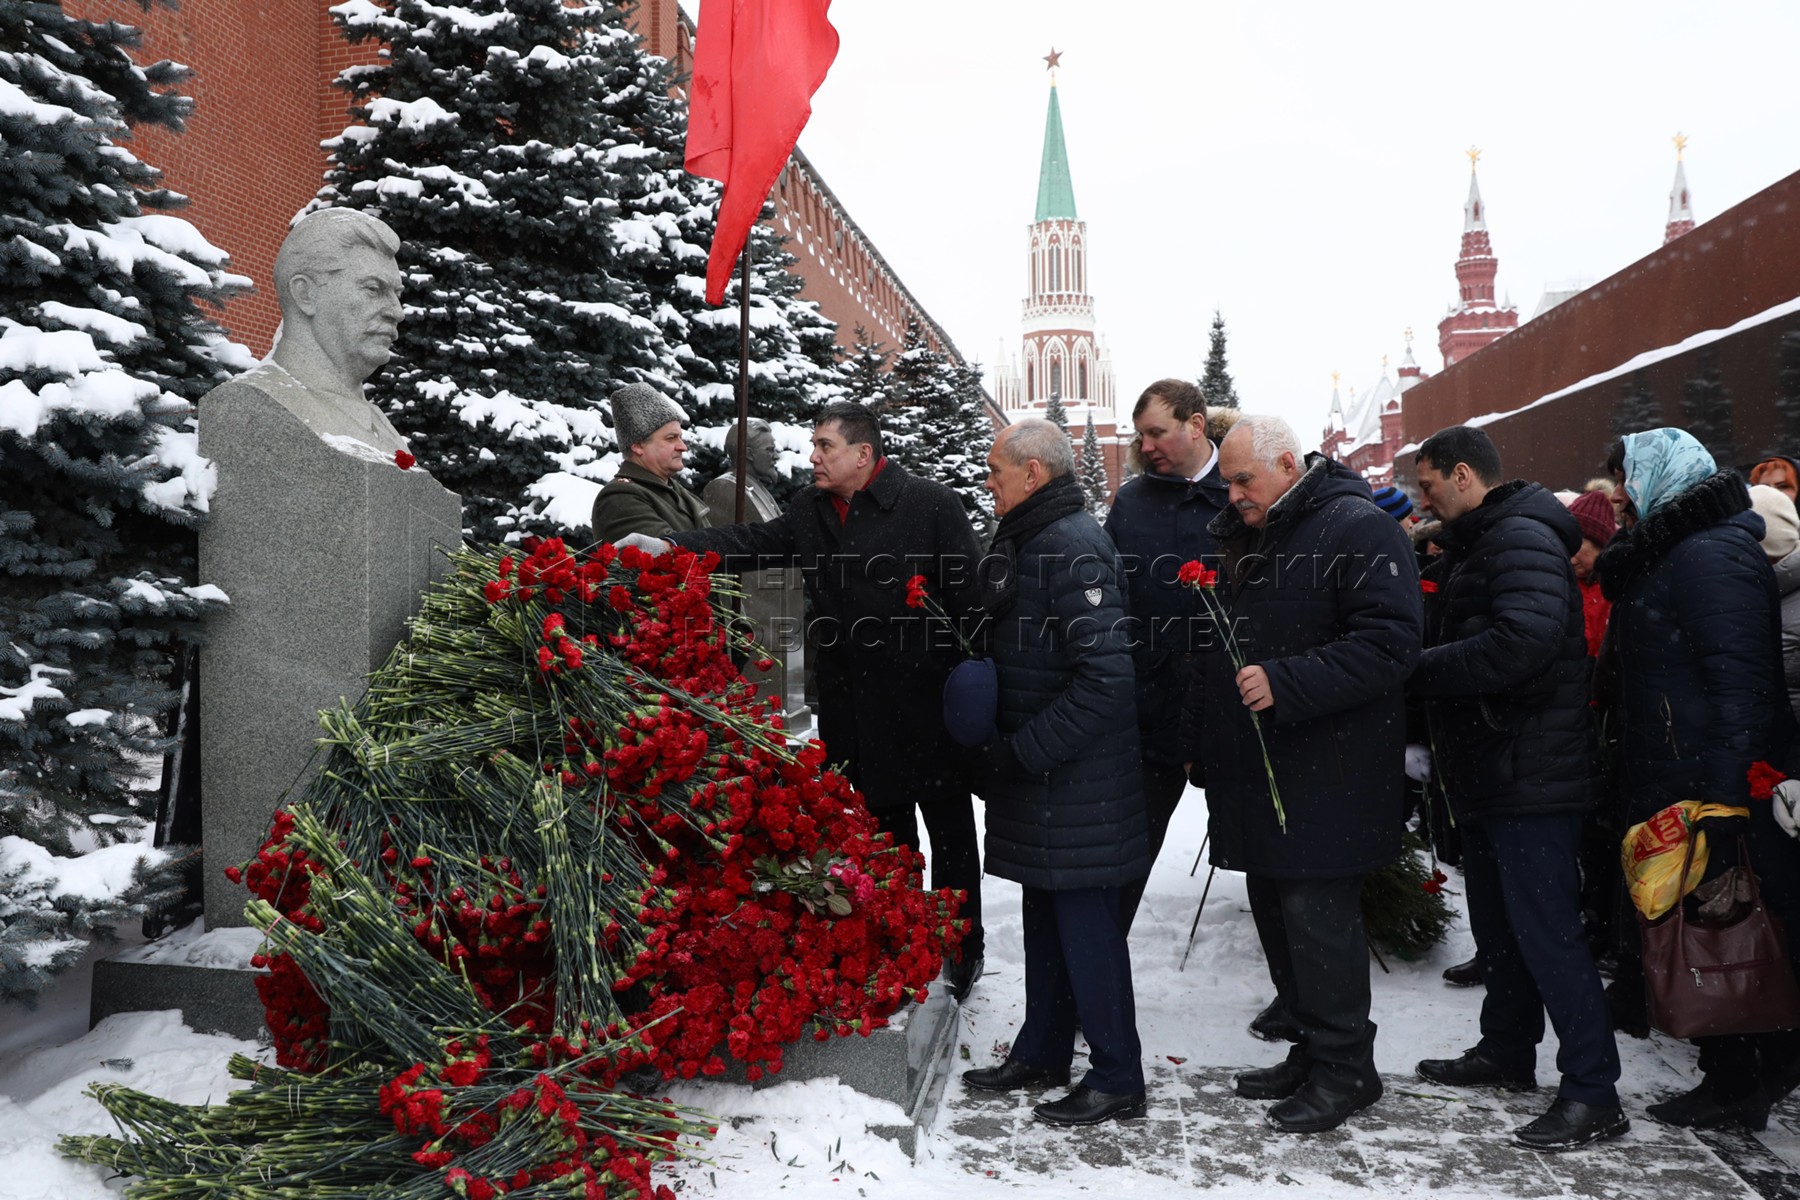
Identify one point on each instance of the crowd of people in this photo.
(1523, 672)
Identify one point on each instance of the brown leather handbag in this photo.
(1704, 978)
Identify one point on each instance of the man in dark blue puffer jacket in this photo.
(1065, 803)
(1505, 679)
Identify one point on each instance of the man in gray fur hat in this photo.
(645, 497)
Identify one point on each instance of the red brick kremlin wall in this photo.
(1742, 262)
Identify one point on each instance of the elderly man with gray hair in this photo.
(1065, 800)
(1326, 625)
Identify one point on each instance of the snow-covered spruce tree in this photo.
(935, 424)
(1787, 392)
(1055, 411)
(864, 370)
(1215, 381)
(662, 233)
(103, 349)
(1706, 411)
(482, 141)
(1638, 409)
(1093, 471)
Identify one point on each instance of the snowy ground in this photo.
(809, 1139)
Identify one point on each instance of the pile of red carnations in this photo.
(559, 841)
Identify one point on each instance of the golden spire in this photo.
(1681, 141)
(1474, 156)
(1409, 335)
(1384, 364)
(1334, 379)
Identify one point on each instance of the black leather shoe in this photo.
(1464, 974)
(1323, 1102)
(1570, 1125)
(1012, 1075)
(1702, 1109)
(1085, 1106)
(1475, 1069)
(1273, 1024)
(962, 976)
(1273, 1083)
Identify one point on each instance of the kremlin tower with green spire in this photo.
(1061, 352)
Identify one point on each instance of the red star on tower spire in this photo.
(1054, 58)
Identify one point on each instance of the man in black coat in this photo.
(1505, 681)
(1065, 807)
(1158, 521)
(858, 533)
(1323, 600)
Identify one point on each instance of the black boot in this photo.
(1570, 1125)
(1013, 1075)
(1273, 1024)
(1475, 1069)
(1464, 974)
(1274, 1083)
(1326, 1100)
(961, 975)
(1703, 1107)
(1085, 1106)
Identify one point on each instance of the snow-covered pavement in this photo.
(808, 1138)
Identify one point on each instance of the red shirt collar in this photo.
(841, 505)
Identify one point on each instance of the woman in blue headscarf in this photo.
(1694, 657)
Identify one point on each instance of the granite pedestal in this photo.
(324, 554)
(905, 1063)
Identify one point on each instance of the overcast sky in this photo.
(1299, 166)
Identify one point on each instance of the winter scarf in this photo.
(1059, 498)
(1631, 555)
(1661, 464)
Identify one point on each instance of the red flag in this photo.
(757, 64)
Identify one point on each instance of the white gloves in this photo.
(1418, 763)
(642, 541)
(1784, 802)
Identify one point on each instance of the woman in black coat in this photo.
(1694, 650)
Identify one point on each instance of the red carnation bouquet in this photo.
(559, 844)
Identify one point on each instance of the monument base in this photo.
(906, 1062)
(205, 975)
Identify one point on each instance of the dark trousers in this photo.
(955, 852)
(1312, 935)
(1524, 897)
(1078, 970)
(1163, 786)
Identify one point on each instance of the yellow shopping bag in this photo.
(1652, 853)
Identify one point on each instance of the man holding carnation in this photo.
(1297, 715)
(1065, 797)
(862, 530)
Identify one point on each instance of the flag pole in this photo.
(740, 467)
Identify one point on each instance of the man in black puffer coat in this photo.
(1323, 596)
(1505, 680)
(1065, 802)
(1158, 521)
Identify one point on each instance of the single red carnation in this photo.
(1428, 586)
(403, 460)
(1763, 779)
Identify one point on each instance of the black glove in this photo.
(1196, 774)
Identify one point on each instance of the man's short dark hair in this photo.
(1462, 444)
(855, 421)
(1184, 399)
